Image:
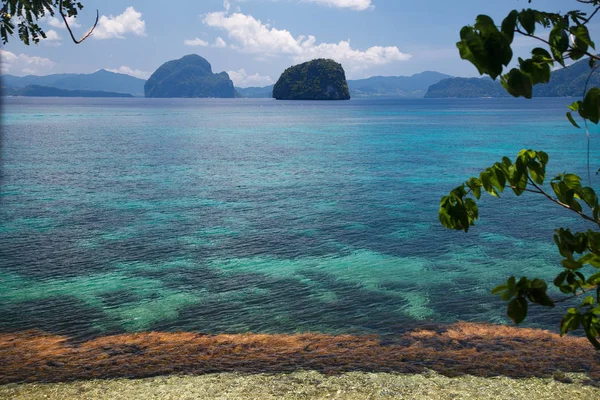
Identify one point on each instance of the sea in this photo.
(264, 216)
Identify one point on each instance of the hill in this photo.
(44, 91)
(190, 76)
(565, 82)
(414, 86)
(101, 80)
(256, 92)
(318, 79)
(466, 88)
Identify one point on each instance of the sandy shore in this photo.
(309, 385)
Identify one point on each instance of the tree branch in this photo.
(64, 17)
(591, 16)
(560, 203)
(583, 291)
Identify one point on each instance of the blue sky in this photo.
(255, 40)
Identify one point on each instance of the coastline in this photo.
(310, 385)
(457, 350)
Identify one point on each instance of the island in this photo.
(318, 79)
(190, 76)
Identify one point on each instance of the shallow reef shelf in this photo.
(460, 349)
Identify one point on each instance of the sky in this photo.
(254, 41)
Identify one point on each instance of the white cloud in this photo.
(133, 72)
(59, 23)
(227, 5)
(254, 37)
(241, 79)
(357, 5)
(23, 64)
(195, 42)
(220, 43)
(130, 21)
(51, 35)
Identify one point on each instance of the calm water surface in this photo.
(121, 215)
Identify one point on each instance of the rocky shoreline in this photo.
(309, 385)
(460, 349)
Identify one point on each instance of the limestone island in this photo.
(319, 79)
(190, 76)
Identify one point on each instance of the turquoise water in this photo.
(122, 215)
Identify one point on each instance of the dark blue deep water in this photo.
(121, 215)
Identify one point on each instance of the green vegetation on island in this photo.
(313, 80)
(190, 76)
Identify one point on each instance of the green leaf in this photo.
(485, 25)
(594, 279)
(581, 32)
(559, 43)
(591, 105)
(570, 321)
(575, 105)
(517, 83)
(571, 120)
(517, 310)
(560, 278)
(571, 264)
(509, 24)
(527, 20)
(501, 288)
(538, 72)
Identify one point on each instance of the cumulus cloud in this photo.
(254, 37)
(52, 38)
(220, 43)
(116, 27)
(23, 64)
(195, 42)
(227, 5)
(52, 35)
(129, 71)
(241, 79)
(357, 5)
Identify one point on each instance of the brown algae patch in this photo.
(458, 350)
(308, 385)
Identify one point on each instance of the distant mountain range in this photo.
(45, 91)
(568, 81)
(414, 86)
(256, 92)
(101, 80)
(564, 82)
(466, 88)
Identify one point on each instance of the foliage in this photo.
(489, 49)
(190, 76)
(24, 15)
(313, 80)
